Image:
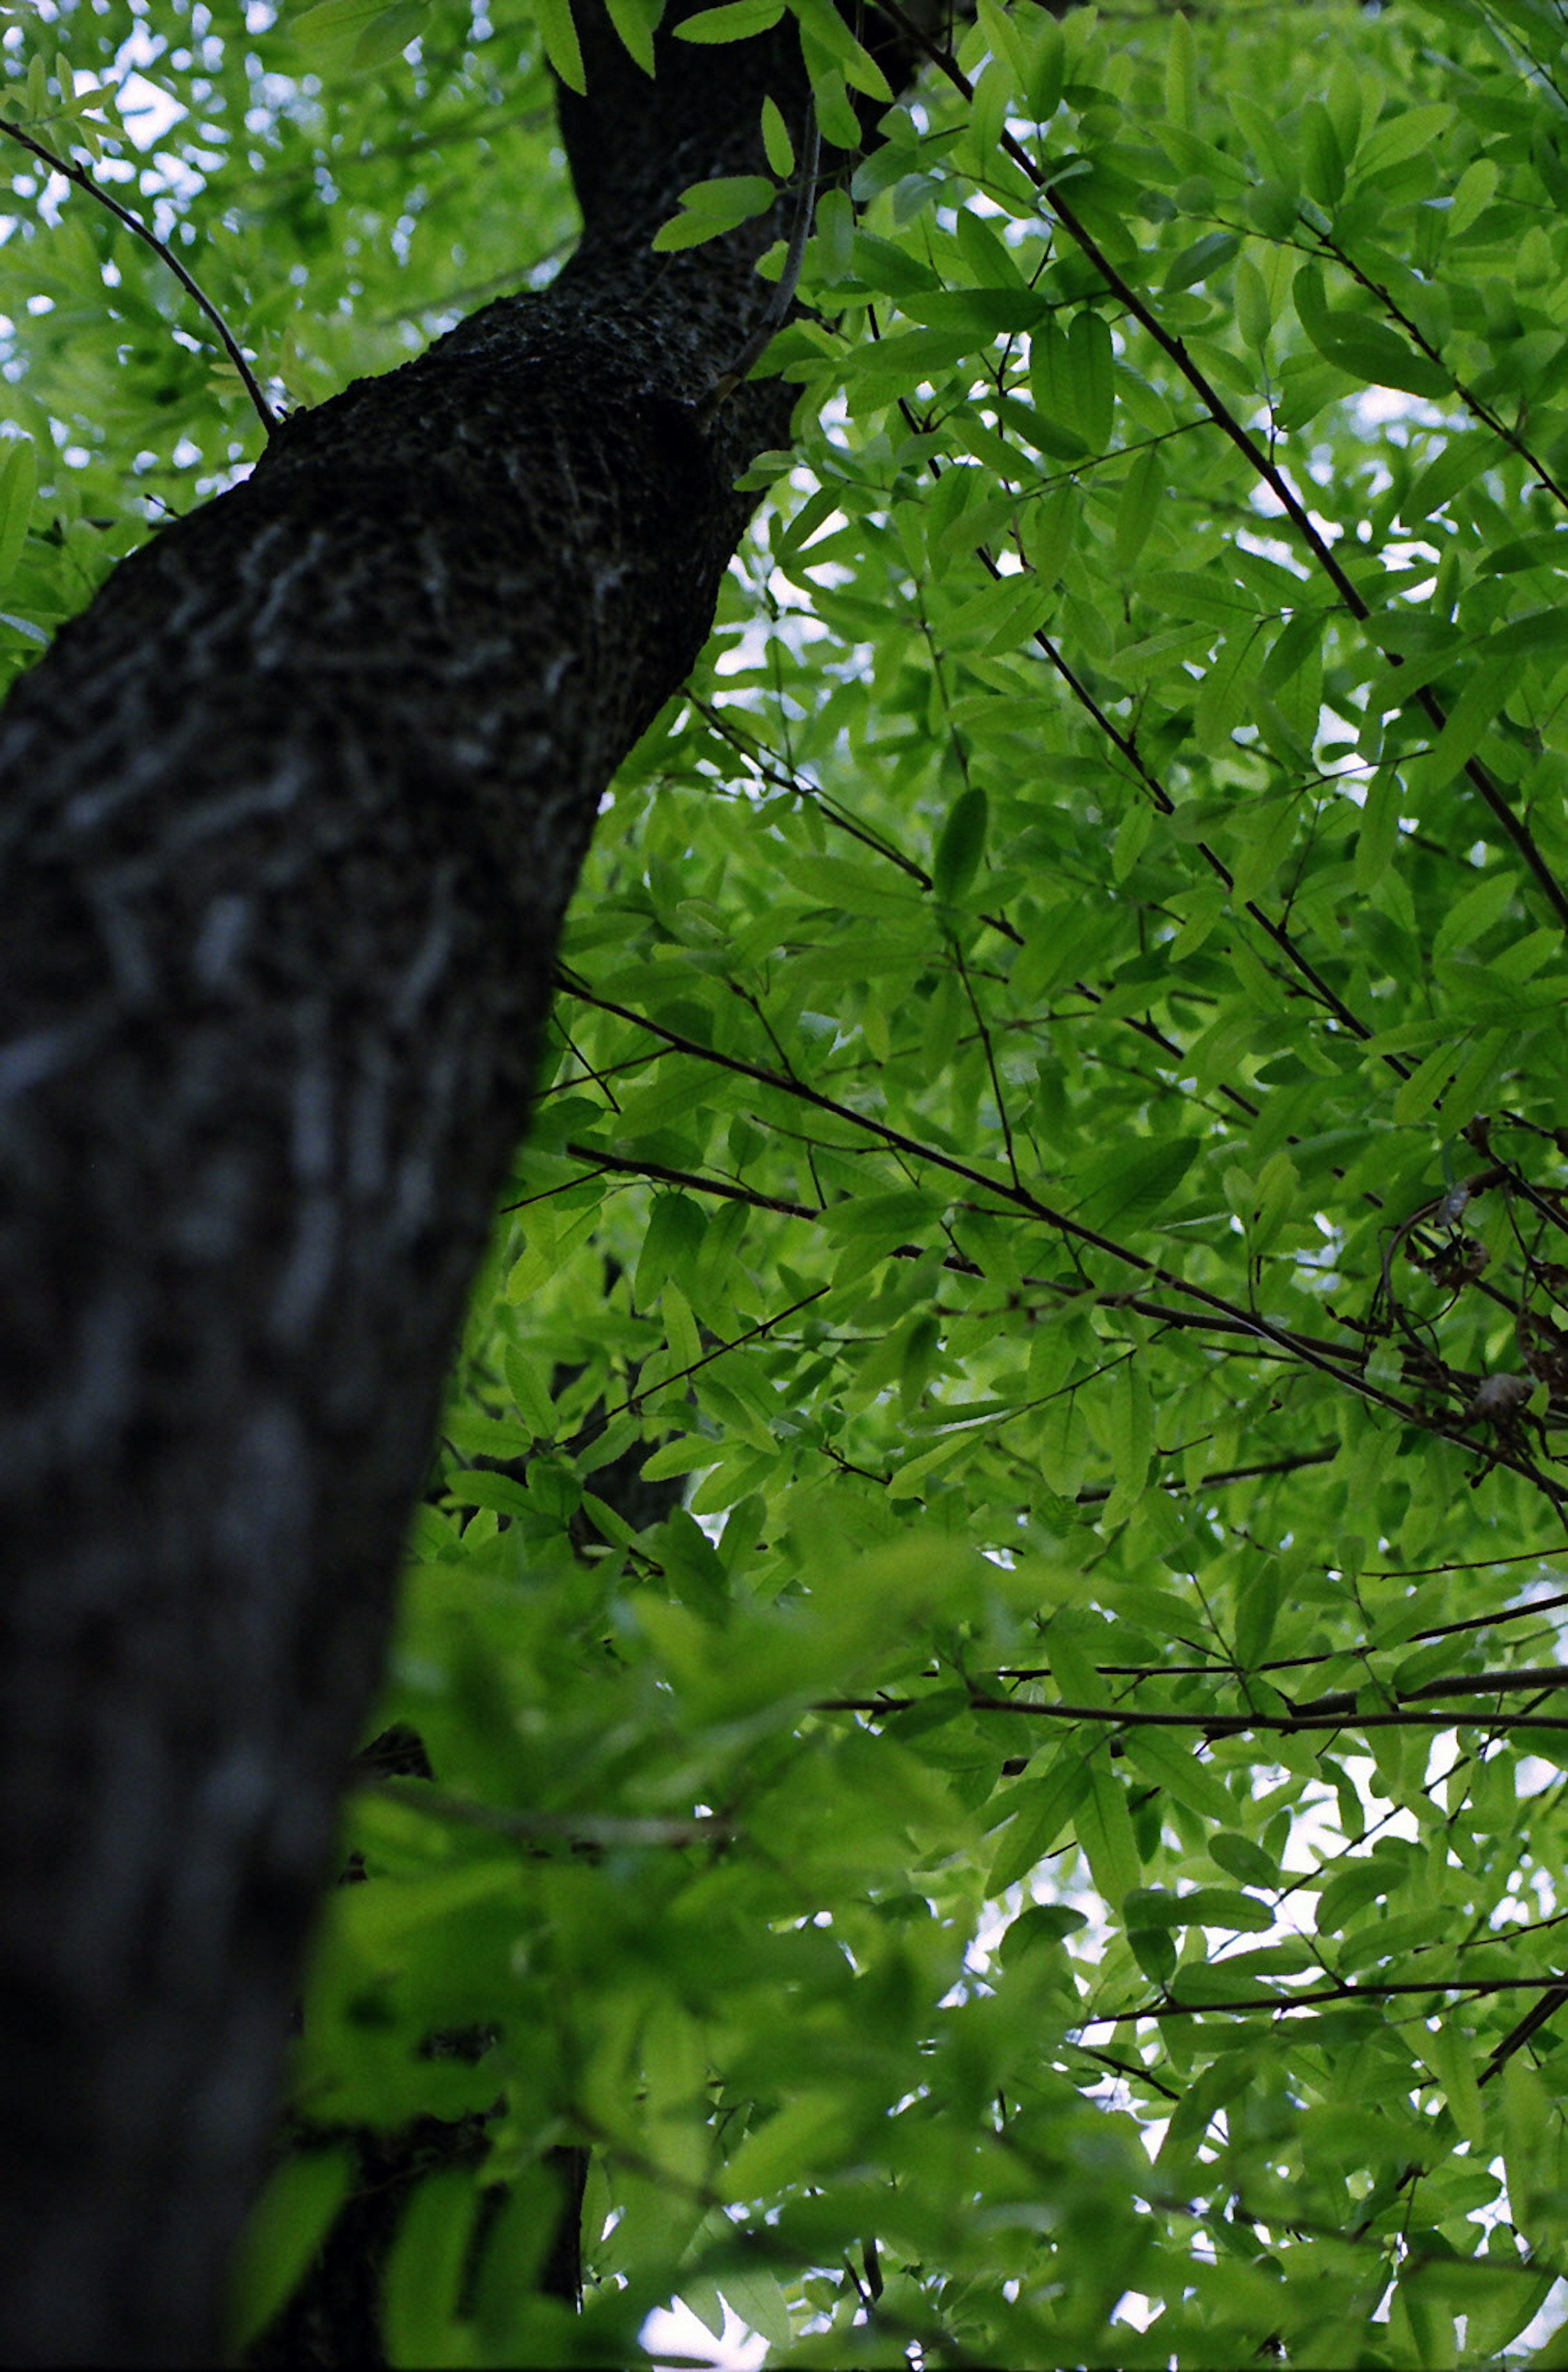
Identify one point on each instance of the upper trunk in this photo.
(287, 823)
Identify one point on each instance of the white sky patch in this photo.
(148, 111)
(674, 2334)
(1376, 406)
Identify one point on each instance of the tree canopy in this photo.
(1052, 1850)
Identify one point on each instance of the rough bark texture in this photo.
(287, 823)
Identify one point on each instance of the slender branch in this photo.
(632, 1405)
(1545, 1677)
(989, 1052)
(1517, 2036)
(1345, 1988)
(1418, 338)
(160, 247)
(1224, 1671)
(612, 1165)
(1212, 1725)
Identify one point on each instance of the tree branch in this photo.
(82, 179)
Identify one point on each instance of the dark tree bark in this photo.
(287, 823)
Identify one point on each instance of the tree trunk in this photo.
(288, 820)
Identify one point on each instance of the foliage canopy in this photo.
(1052, 1129)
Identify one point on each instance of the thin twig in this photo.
(1212, 1724)
(138, 229)
(1477, 1988)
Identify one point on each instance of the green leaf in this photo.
(670, 1245)
(960, 845)
(1141, 495)
(1378, 834)
(807, 2133)
(287, 2227)
(1204, 1906)
(1192, 594)
(1257, 1613)
(736, 20)
(888, 1218)
(1072, 1667)
(988, 312)
(911, 357)
(1209, 254)
(1546, 551)
(636, 21)
(1322, 162)
(1450, 2055)
(1270, 142)
(1000, 616)
(329, 25)
(1224, 702)
(478, 1489)
(1091, 370)
(388, 35)
(1475, 711)
(776, 141)
(1105, 1832)
(1473, 915)
(1471, 1082)
(1472, 193)
(1356, 1885)
(1458, 460)
(1399, 136)
(1166, 1757)
(559, 34)
(1181, 75)
(822, 23)
(1294, 648)
(1131, 1428)
(1366, 348)
(18, 476)
(1040, 1811)
(1544, 631)
(882, 265)
(991, 262)
(1043, 83)
(1244, 1859)
(1254, 305)
(423, 2282)
(1129, 1188)
(759, 2299)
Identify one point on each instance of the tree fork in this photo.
(288, 821)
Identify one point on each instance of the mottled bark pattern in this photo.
(287, 823)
